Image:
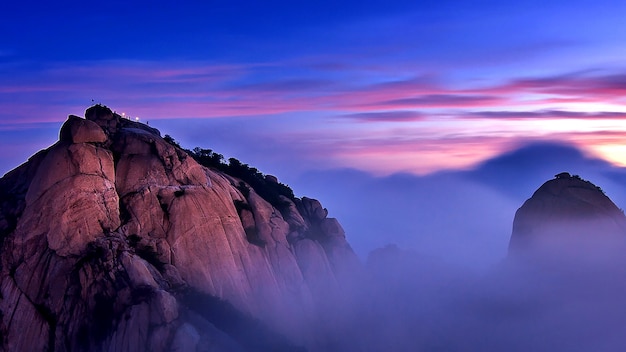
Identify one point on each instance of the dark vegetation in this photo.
(249, 332)
(268, 189)
(566, 175)
(589, 183)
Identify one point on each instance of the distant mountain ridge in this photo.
(468, 210)
(114, 239)
(516, 172)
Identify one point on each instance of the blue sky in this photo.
(363, 105)
(378, 86)
(420, 123)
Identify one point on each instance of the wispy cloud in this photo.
(443, 101)
(386, 116)
(449, 123)
(548, 114)
(581, 85)
(289, 86)
(198, 89)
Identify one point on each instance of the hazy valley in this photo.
(116, 239)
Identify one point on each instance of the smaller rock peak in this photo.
(562, 175)
(99, 112)
(565, 209)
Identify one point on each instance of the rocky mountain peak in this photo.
(565, 210)
(116, 239)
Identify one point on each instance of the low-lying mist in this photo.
(454, 214)
(450, 284)
(568, 297)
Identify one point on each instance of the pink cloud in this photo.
(418, 155)
(442, 101)
(153, 90)
(571, 87)
(547, 114)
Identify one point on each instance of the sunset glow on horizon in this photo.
(403, 88)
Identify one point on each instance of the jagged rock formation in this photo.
(107, 234)
(565, 212)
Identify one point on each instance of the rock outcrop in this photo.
(565, 213)
(107, 236)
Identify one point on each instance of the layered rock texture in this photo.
(567, 213)
(115, 240)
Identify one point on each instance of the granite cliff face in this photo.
(565, 212)
(112, 236)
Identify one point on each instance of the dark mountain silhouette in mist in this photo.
(564, 211)
(565, 293)
(518, 172)
(455, 214)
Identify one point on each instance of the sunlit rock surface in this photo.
(110, 236)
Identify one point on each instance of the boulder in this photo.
(312, 209)
(79, 130)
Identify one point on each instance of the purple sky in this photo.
(292, 87)
(465, 108)
(330, 96)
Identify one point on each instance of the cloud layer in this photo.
(431, 80)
